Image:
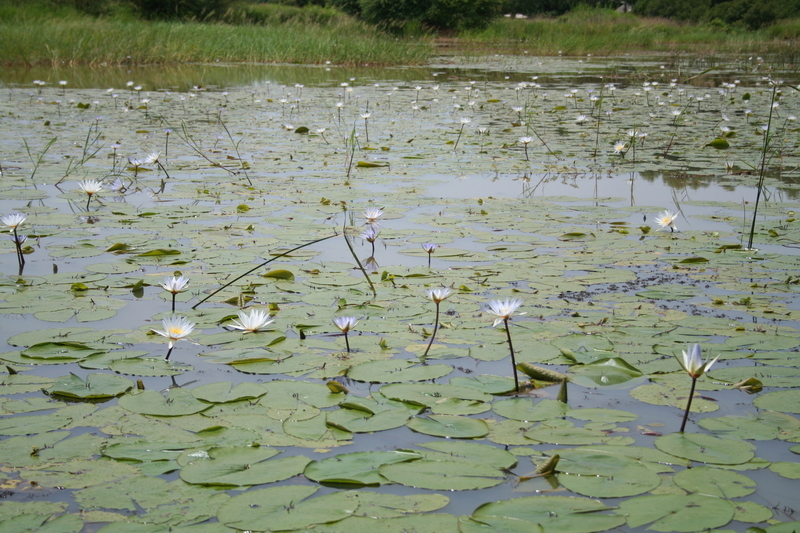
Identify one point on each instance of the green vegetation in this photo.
(350, 32)
(604, 31)
(34, 35)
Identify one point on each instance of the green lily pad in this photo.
(706, 448)
(628, 480)
(784, 401)
(284, 509)
(715, 482)
(454, 427)
(677, 512)
(396, 371)
(613, 371)
(96, 386)
(443, 475)
(179, 402)
(359, 468)
(241, 466)
(785, 469)
(225, 392)
(547, 513)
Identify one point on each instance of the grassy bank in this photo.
(35, 37)
(271, 33)
(607, 32)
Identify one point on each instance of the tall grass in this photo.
(603, 31)
(33, 37)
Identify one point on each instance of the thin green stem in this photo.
(763, 168)
(346, 342)
(513, 359)
(433, 335)
(688, 405)
(265, 263)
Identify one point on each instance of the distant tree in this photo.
(437, 14)
(181, 9)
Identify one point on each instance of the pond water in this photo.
(542, 179)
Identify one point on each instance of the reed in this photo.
(32, 38)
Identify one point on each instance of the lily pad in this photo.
(547, 513)
(283, 509)
(706, 448)
(96, 386)
(443, 475)
(677, 512)
(179, 402)
(359, 468)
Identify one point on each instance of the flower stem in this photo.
(688, 405)
(346, 342)
(513, 359)
(459, 137)
(87, 202)
(169, 352)
(433, 335)
(173, 302)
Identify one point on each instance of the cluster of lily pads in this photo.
(447, 439)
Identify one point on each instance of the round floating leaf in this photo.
(602, 415)
(96, 386)
(661, 394)
(148, 366)
(358, 421)
(751, 512)
(784, 401)
(429, 394)
(146, 450)
(787, 470)
(30, 425)
(241, 466)
(547, 513)
(471, 452)
(706, 448)
(66, 350)
(443, 475)
(79, 473)
(454, 427)
(740, 426)
(629, 480)
(613, 371)
(485, 383)
(524, 409)
(396, 371)
(715, 482)
(150, 402)
(283, 509)
(225, 392)
(568, 435)
(359, 468)
(677, 512)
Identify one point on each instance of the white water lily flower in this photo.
(503, 309)
(91, 187)
(372, 214)
(345, 323)
(437, 295)
(667, 220)
(253, 322)
(693, 363)
(14, 220)
(175, 329)
(175, 284)
(429, 247)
